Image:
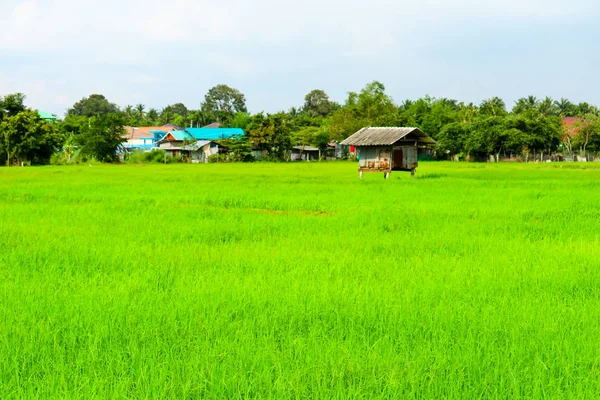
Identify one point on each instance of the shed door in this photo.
(397, 158)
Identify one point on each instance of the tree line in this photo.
(93, 127)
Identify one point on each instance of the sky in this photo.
(157, 52)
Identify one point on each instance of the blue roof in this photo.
(214, 133)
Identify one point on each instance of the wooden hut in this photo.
(388, 149)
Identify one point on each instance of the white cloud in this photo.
(121, 47)
(68, 24)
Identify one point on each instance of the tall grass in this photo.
(299, 281)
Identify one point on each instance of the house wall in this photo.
(375, 157)
(404, 158)
(141, 144)
(307, 155)
(201, 155)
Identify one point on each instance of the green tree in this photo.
(588, 134)
(240, 120)
(152, 116)
(270, 134)
(525, 104)
(140, 109)
(564, 108)
(494, 107)
(25, 137)
(101, 137)
(441, 112)
(317, 103)
(12, 104)
(222, 102)
(546, 107)
(93, 106)
(452, 137)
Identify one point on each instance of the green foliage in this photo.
(154, 156)
(24, 137)
(270, 134)
(239, 149)
(317, 104)
(101, 137)
(11, 105)
(477, 132)
(494, 107)
(219, 158)
(93, 106)
(222, 102)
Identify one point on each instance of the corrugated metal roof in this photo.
(372, 136)
(47, 116)
(214, 133)
(196, 145)
(306, 148)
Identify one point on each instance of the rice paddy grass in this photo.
(296, 281)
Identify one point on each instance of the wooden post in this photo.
(412, 173)
(361, 174)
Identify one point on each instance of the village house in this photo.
(51, 118)
(213, 133)
(388, 149)
(184, 143)
(143, 137)
(200, 150)
(173, 141)
(304, 153)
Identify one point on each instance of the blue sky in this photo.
(157, 53)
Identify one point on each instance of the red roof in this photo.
(143, 131)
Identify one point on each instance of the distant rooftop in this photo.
(47, 116)
(214, 133)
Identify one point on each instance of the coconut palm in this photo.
(140, 108)
(564, 107)
(494, 107)
(546, 107)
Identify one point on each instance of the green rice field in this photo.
(300, 281)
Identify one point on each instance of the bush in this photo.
(219, 158)
(151, 157)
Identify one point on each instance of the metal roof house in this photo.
(143, 137)
(51, 118)
(214, 133)
(198, 152)
(304, 153)
(388, 149)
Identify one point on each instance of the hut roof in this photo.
(196, 145)
(385, 136)
(306, 148)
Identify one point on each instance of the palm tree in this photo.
(532, 102)
(407, 104)
(546, 107)
(584, 108)
(494, 106)
(564, 107)
(140, 110)
(467, 112)
(152, 116)
(525, 104)
(128, 111)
